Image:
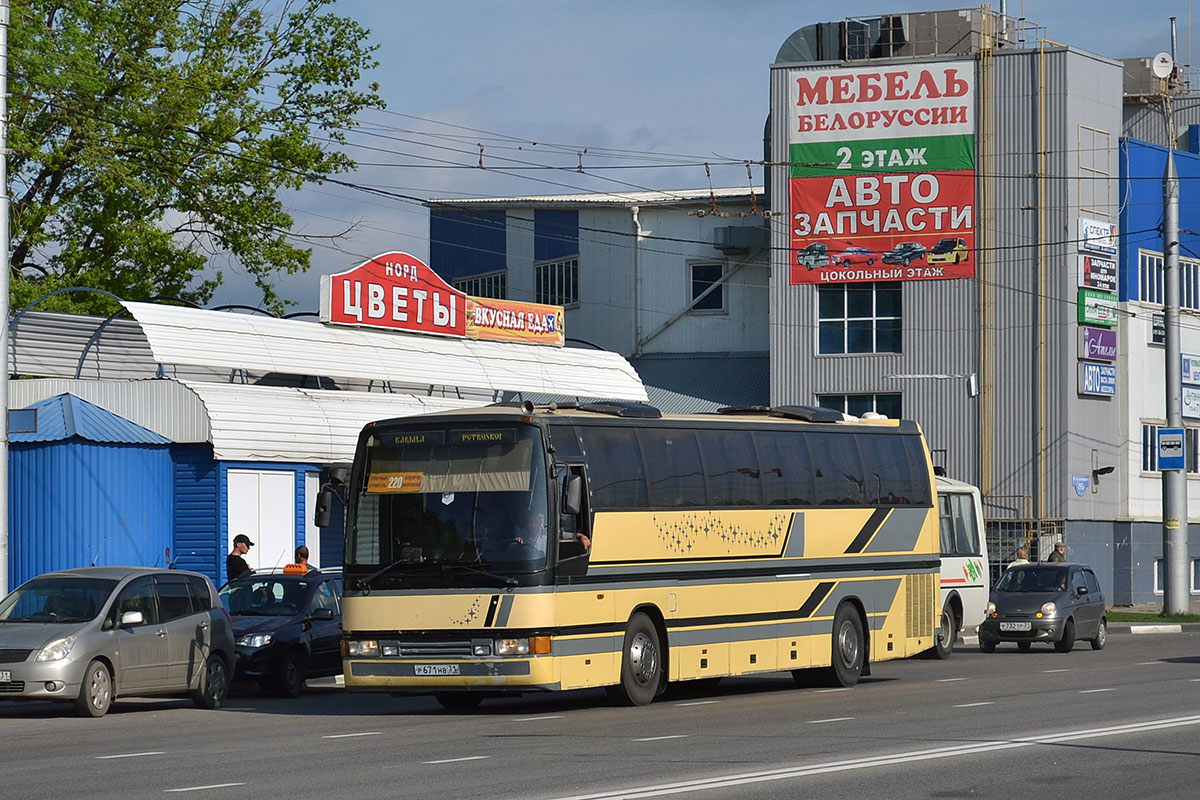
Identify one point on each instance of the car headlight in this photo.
(254, 640)
(362, 647)
(990, 609)
(56, 650)
(512, 647)
(1048, 609)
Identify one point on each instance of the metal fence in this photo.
(1010, 524)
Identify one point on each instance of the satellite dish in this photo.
(1161, 65)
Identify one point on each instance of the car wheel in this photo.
(987, 646)
(1101, 635)
(641, 664)
(292, 674)
(848, 649)
(945, 635)
(1067, 641)
(458, 701)
(870, 261)
(907, 261)
(1024, 646)
(95, 693)
(214, 684)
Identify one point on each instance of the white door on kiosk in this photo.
(312, 534)
(262, 505)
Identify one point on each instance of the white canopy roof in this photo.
(270, 423)
(187, 336)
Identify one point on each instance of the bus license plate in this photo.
(435, 669)
(1014, 626)
(6, 676)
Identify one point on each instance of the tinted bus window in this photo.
(885, 469)
(673, 469)
(614, 462)
(784, 467)
(731, 467)
(565, 443)
(838, 470)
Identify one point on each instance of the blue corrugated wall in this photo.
(198, 543)
(74, 503)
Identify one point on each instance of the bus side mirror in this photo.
(324, 516)
(572, 499)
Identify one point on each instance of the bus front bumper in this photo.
(383, 674)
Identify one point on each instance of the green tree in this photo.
(148, 137)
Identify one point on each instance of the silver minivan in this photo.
(95, 634)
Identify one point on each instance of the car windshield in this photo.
(944, 245)
(57, 600)
(264, 596)
(1032, 579)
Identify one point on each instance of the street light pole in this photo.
(4, 269)
(1175, 513)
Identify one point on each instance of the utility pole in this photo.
(1175, 511)
(4, 269)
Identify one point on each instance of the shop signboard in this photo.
(398, 291)
(1191, 402)
(1099, 273)
(1097, 379)
(1158, 329)
(1097, 344)
(1097, 308)
(1096, 236)
(882, 176)
(1189, 368)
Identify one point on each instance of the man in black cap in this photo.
(235, 565)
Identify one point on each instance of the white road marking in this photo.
(949, 680)
(132, 755)
(744, 778)
(698, 703)
(453, 760)
(831, 719)
(1094, 691)
(839, 689)
(202, 788)
(350, 735)
(660, 738)
(973, 705)
(538, 719)
(1049, 671)
(1147, 663)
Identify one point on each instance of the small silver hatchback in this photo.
(92, 635)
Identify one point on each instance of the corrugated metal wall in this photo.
(1014, 438)
(198, 545)
(75, 503)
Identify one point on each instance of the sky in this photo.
(641, 93)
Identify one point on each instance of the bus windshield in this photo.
(430, 503)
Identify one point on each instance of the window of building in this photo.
(1191, 446)
(859, 404)
(702, 277)
(1195, 571)
(1150, 279)
(858, 318)
(1159, 580)
(556, 283)
(494, 285)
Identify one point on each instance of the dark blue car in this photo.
(287, 626)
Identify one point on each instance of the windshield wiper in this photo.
(507, 580)
(365, 583)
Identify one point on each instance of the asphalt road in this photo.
(1123, 722)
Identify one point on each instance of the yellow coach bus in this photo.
(511, 549)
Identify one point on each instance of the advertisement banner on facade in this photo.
(398, 291)
(882, 173)
(1189, 364)
(1097, 308)
(1097, 344)
(1096, 236)
(1191, 402)
(1097, 379)
(1098, 273)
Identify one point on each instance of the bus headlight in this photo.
(362, 648)
(512, 647)
(990, 609)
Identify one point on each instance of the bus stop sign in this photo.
(1170, 448)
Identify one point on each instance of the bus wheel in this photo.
(458, 701)
(641, 664)
(946, 634)
(848, 648)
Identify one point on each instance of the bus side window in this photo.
(572, 497)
